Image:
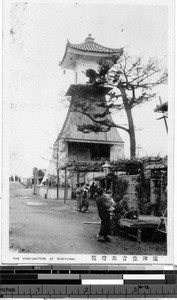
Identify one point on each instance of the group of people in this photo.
(107, 208)
(109, 213)
(83, 194)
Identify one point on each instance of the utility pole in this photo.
(138, 147)
(164, 117)
(65, 188)
(35, 174)
(58, 181)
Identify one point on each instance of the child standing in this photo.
(85, 199)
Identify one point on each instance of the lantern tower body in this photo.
(73, 146)
(86, 146)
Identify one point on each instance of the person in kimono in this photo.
(103, 212)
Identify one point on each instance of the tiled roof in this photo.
(157, 166)
(90, 46)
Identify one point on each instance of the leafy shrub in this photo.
(143, 194)
(120, 189)
(163, 199)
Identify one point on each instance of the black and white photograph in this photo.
(88, 135)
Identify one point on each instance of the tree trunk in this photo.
(131, 133)
(131, 130)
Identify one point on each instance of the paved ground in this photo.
(40, 225)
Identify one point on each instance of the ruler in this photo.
(96, 282)
(87, 291)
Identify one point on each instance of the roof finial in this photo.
(89, 38)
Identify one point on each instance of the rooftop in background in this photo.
(162, 107)
(88, 48)
(43, 170)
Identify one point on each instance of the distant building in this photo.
(163, 108)
(41, 173)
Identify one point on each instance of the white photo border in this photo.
(9, 257)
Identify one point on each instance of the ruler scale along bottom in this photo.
(102, 282)
(30, 291)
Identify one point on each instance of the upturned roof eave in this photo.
(109, 50)
(62, 61)
(65, 63)
(73, 48)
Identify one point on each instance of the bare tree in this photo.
(131, 82)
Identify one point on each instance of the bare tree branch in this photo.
(132, 78)
(104, 122)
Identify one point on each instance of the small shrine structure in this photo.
(163, 108)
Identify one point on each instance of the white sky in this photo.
(37, 83)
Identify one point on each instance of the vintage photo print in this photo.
(88, 132)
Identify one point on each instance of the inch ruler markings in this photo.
(17, 291)
(84, 281)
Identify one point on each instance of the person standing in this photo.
(85, 199)
(93, 189)
(121, 208)
(79, 197)
(104, 215)
(110, 201)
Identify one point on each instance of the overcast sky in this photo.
(39, 32)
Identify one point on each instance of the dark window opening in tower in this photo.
(88, 151)
(99, 151)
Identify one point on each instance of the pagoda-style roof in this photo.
(88, 48)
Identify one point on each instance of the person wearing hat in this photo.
(103, 212)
